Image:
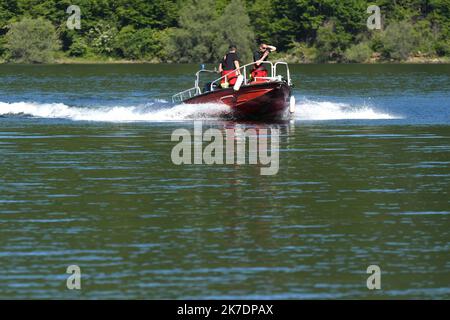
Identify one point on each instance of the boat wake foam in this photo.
(316, 110)
(155, 111)
(160, 110)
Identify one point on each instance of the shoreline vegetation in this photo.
(113, 61)
(200, 31)
(412, 60)
(67, 60)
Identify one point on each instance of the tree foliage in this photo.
(194, 40)
(331, 41)
(234, 28)
(32, 41)
(399, 40)
(205, 35)
(135, 44)
(359, 53)
(200, 30)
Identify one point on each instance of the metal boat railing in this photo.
(244, 73)
(183, 95)
(288, 72)
(189, 93)
(270, 67)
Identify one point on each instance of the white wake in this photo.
(317, 110)
(162, 111)
(149, 112)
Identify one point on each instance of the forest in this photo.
(200, 31)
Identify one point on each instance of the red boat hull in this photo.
(268, 100)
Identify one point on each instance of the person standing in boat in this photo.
(227, 67)
(261, 55)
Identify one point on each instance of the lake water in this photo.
(87, 179)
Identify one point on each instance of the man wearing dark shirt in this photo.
(259, 57)
(230, 63)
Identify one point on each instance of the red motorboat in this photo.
(260, 98)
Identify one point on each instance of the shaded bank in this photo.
(282, 57)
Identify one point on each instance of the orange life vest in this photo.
(231, 77)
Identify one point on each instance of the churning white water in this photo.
(163, 111)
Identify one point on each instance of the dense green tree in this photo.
(426, 38)
(359, 53)
(399, 40)
(234, 28)
(204, 35)
(137, 44)
(32, 41)
(332, 40)
(158, 14)
(194, 40)
(300, 20)
(79, 47)
(439, 16)
(261, 17)
(102, 37)
(199, 30)
(300, 52)
(8, 9)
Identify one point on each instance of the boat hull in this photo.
(261, 101)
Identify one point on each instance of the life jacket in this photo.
(259, 72)
(230, 73)
(231, 77)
